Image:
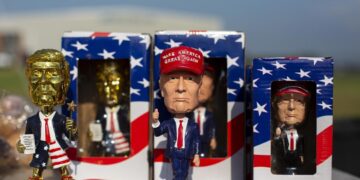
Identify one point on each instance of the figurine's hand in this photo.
(277, 132)
(196, 160)
(302, 159)
(20, 147)
(213, 143)
(70, 126)
(155, 116)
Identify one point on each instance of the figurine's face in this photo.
(46, 81)
(111, 88)
(180, 91)
(206, 88)
(291, 109)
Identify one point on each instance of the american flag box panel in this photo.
(248, 124)
(104, 46)
(317, 70)
(227, 46)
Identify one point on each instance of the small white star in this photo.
(240, 82)
(172, 43)
(254, 82)
(327, 80)
(158, 51)
(205, 53)
(324, 105)
(265, 71)
(120, 37)
(232, 61)
(254, 128)
(278, 65)
(288, 79)
(144, 82)
(146, 41)
(217, 37)
(314, 59)
(46, 148)
(67, 53)
(156, 94)
(43, 164)
(74, 72)
(303, 73)
(134, 91)
(318, 91)
(260, 108)
(80, 46)
(242, 41)
(231, 91)
(107, 55)
(135, 62)
(36, 156)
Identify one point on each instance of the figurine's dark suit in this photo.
(33, 126)
(107, 147)
(208, 129)
(180, 158)
(287, 161)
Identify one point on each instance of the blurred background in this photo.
(272, 28)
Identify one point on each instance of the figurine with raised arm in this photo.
(203, 116)
(181, 69)
(290, 106)
(48, 76)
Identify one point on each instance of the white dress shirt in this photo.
(50, 125)
(113, 110)
(295, 136)
(177, 122)
(202, 118)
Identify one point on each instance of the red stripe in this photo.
(54, 150)
(61, 162)
(235, 139)
(324, 145)
(57, 156)
(261, 161)
(52, 143)
(120, 137)
(100, 34)
(121, 143)
(139, 139)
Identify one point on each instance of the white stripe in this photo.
(117, 134)
(77, 34)
(234, 108)
(118, 146)
(122, 150)
(60, 165)
(59, 159)
(141, 108)
(118, 141)
(323, 122)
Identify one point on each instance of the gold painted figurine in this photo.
(112, 114)
(48, 76)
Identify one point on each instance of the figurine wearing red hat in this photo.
(289, 107)
(181, 69)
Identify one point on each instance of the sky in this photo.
(272, 28)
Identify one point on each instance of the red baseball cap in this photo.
(181, 58)
(293, 90)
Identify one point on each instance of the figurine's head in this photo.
(207, 85)
(181, 69)
(109, 82)
(290, 105)
(48, 76)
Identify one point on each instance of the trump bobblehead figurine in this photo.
(203, 116)
(48, 76)
(181, 69)
(290, 107)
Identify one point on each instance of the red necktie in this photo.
(47, 132)
(112, 123)
(198, 120)
(180, 135)
(291, 141)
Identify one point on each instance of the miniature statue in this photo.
(290, 109)
(205, 118)
(113, 117)
(180, 78)
(48, 75)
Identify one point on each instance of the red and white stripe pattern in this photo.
(58, 156)
(121, 143)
